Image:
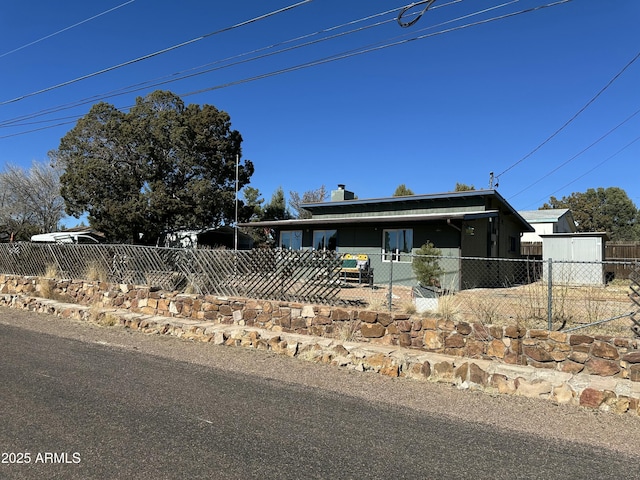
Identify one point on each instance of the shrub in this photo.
(426, 267)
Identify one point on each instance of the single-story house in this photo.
(545, 222)
(474, 223)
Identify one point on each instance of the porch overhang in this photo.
(375, 219)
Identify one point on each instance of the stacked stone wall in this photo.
(595, 371)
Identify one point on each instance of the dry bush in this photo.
(51, 271)
(409, 307)
(347, 331)
(98, 316)
(46, 288)
(96, 272)
(483, 307)
(448, 306)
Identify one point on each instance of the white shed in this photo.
(577, 257)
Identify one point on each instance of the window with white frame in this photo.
(397, 245)
(291, 239)
(325, 239)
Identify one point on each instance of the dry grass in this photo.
(98, 316)
(46, 288)
(347, 331)
(524, 305)
(96, 272)
(51, 271)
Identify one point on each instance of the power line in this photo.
(182, 74)
(371, 48)
(155, 54)
(375, 47)
(577, 154)
(588, 171)
(602, 90)
(65, 29)
(418, 15)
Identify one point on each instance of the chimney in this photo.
(341, 194)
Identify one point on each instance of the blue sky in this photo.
(428, 113)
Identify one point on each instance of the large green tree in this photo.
(602, 210)
(161, 166)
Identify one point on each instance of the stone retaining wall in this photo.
(594, 371)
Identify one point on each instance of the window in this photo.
(291, 239)
(513, 244)
(397, 245)
(325, 239)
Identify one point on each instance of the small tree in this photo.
(426, 267)
(403, 191)
(461, 187)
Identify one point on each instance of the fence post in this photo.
(550, 295)
(391, 283)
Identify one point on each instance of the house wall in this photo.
(368, 240)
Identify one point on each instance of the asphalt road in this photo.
(116, 410)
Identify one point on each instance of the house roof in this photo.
(551, 215)
(424, 217)
(368, 210)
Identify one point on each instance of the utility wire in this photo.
(368, 49)
(155, 54)
(184, 75)
(376, 47)
(419, 15)
(577, 154)
(602, 90)
(65, 29)
(588, 171)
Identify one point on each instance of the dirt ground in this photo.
(573, 307)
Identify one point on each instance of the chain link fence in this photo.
(553, 295)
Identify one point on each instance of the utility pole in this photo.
(492, 179)
(235, 225)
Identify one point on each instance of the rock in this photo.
(535, 388)
(372, 330)
(633, 357)
(404, 339)
(367, 316)
(578, 357)
(384, 319)
(604, 350)
(455, 340)
(604, 368)
(477, 375)
(443, 370)
(563, 394)
(591, 398)
(426, 369)
(432, 340)
(571, 367)
(463, 328)
(497, 349)
(580, 339)
(538, 354)
(503, 384)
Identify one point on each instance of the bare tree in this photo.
(310, 196)
(30, 201)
